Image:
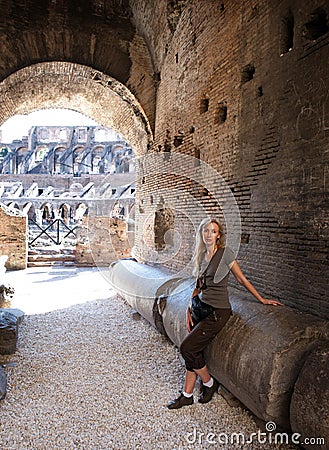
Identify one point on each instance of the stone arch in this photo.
(80, 211)
(64, 212)
(56, 161)
(20, 155)
(30, 210)
(78, 157)
(46, 212)
(121, 161)
(82, 89)
(117, 148)
(96, 159)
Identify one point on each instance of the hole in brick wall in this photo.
(222, 7)
(287, 33)
(167, 144)
(159, 148)
(176, 58)
(143, 180)
(317, 25)
(151, 200)
(96, 77)
(247, 73)
(193, 39)
(178, 140)
(157, 77)
(260, 92)
(163, 228)
(191, 129)
(245, 238)
(167, 147)
(221, 113)
(204, 105)
(174, 11)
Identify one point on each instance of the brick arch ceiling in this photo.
(101, 34)
(82, 89)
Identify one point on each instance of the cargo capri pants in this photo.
(202, 334)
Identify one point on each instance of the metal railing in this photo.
(57, 230)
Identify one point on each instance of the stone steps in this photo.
(42, 257)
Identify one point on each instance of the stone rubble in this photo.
(91, 377)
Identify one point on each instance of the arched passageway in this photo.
(82, 89)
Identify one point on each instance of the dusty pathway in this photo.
(90, 376)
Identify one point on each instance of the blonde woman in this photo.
(210, 308)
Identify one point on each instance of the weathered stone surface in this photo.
(310, 400)
(259, 353)
(141, 286)
(3, 383)
(102, 240)
(8, 332)
(13, 237)
(18, 313)
(174, 311)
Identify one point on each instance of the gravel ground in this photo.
(91, 376)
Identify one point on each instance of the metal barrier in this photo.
(56, 231)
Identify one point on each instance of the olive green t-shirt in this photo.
(214, 290)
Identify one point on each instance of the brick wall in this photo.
(102, 240)
(233, 95)
(13, 243)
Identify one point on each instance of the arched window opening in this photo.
(247, 73)
(47, 214)
(78, 156)
(287, 33)
(21, 156)
(97, 161)
(57, 159)
(317, 25)
(65, 213)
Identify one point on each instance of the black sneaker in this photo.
(208, 392)
(180, 402)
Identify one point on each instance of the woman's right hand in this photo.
(189, 320)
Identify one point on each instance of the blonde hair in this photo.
(200, 247)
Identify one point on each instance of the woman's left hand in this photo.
(267, 301)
